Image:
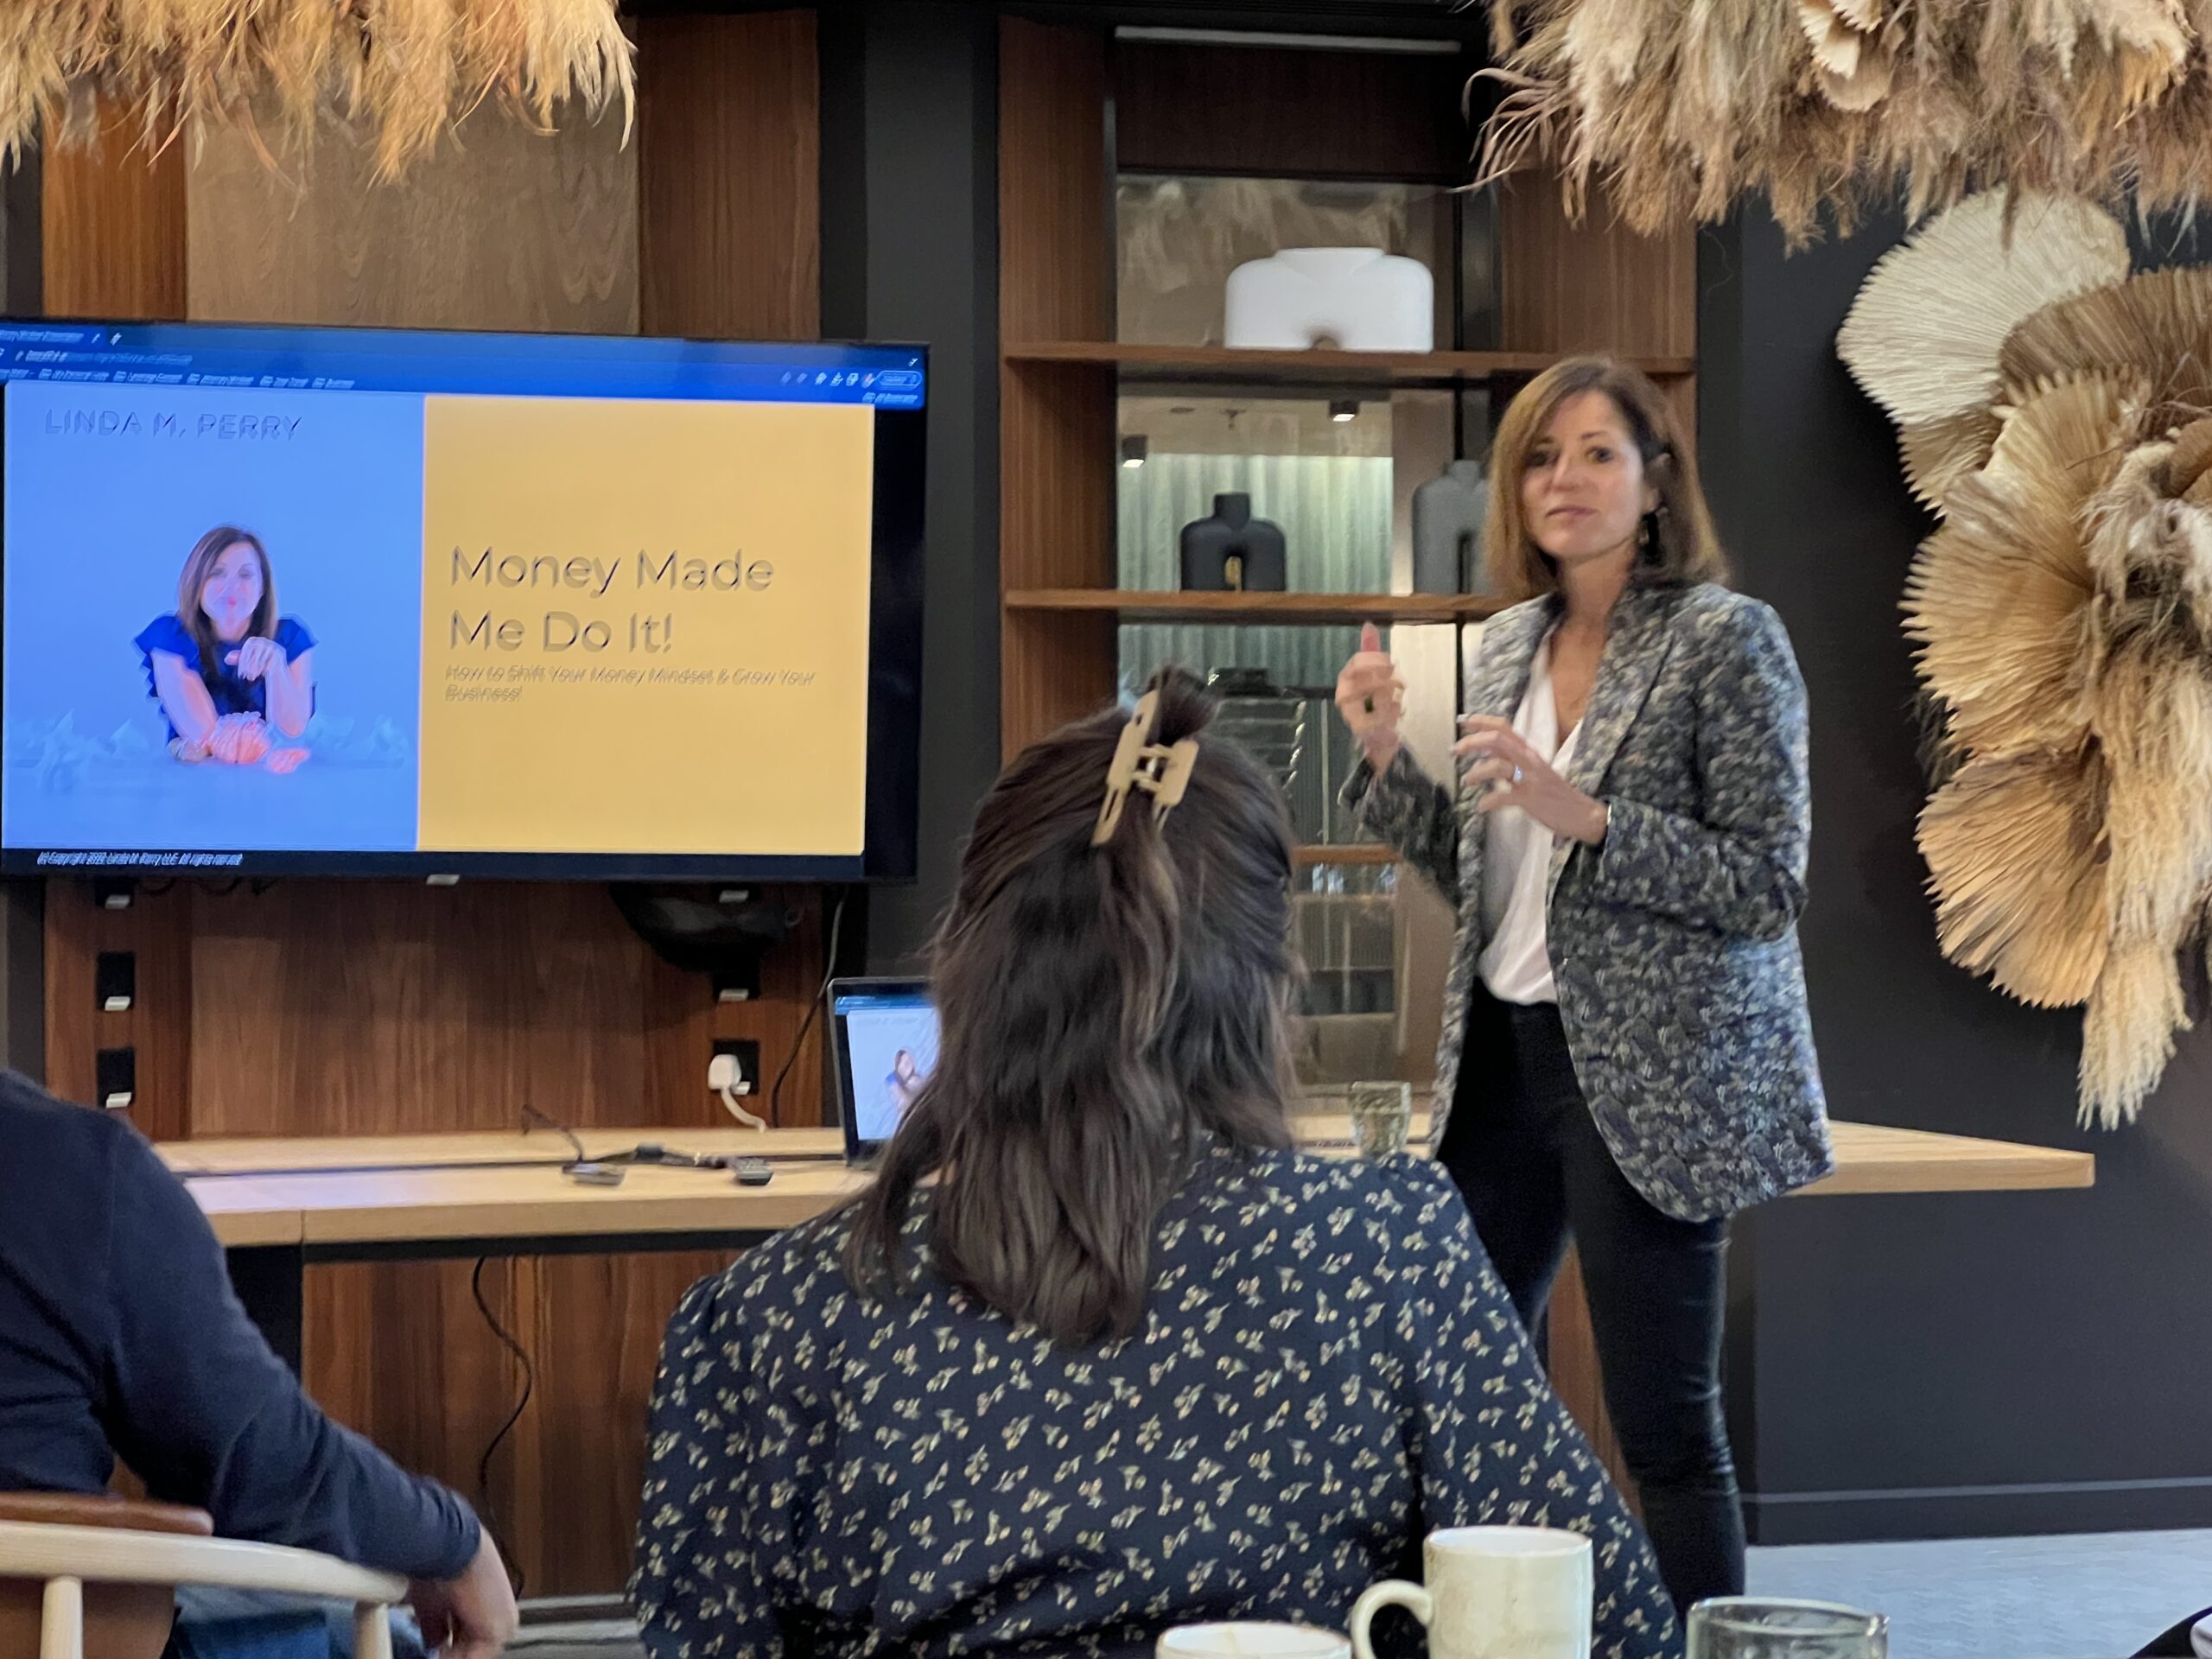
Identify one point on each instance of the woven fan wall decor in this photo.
(404, 70)
(2056, 412)
(1678, 107)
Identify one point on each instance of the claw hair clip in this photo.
(1161, 771)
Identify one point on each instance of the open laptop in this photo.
(883, 1043)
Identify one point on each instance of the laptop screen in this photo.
(886, 1035)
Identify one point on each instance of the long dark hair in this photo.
(1105, 1011)
(197, 564)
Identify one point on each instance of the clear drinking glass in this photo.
(1382, 1117)
(1749, 1627)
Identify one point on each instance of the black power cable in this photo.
(529, 1386)
(829, 973)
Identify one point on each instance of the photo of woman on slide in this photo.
(235, 680)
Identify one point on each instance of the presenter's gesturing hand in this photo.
(1498, 763)
(1372, 697)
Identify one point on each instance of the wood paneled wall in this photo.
(1287, 112)
(305, 1007)
(1056, 421)
(1593, 287)
(315, 1008)
(112, 226)
(503, 228)
(729, 157)
(561, 1491)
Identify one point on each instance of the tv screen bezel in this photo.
(889, 849)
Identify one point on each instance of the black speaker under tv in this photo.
(365, 601)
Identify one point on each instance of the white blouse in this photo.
(1517, 860)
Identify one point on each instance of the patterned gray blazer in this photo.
(1674, 943)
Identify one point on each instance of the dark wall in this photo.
(1956, 1364)
(910, 252)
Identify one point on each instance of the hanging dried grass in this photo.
(2012, 848)
(2192, 455)
(2064, 610)
(1925, 336)
(403, 70)
(1681, 109)
(1937, 455)
(2158, 324)
(1998, 600)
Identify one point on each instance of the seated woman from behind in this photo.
(1098, 1353)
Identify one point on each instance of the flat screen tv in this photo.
(361, 602)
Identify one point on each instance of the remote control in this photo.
(753, 1172)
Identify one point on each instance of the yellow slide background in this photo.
(728, 714)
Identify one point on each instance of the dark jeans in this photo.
(1530, 1160)
(212, 1623)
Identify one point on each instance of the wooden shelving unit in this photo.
(1348, 852)
(1273, 610)
(1076, 108)
(1199, 364)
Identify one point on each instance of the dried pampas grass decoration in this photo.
(2012, 850)
(2063, 611)
(1680, 108)
(1926, 332)
(1938, 454)
(404, 70)
(1998, 602)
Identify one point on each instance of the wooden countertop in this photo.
(1871, 1159)
(394, 1189)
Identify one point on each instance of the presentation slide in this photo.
(116, 498)
(613, 584)
(891, 1047)
(251, 618)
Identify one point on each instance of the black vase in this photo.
(1232, 551)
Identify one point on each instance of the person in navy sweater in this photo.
(120, 1336)
(235, 679)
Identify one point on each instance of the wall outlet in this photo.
(115, 980)
(735, 1066)
(115, 1077)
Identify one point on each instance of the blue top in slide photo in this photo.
(232, 693)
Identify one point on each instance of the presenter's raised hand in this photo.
(1372, 697)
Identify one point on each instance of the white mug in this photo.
(1274, 1641)
(1493, 1593)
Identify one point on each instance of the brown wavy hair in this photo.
(1677, 542)
(1105, 1012)
(197, 564)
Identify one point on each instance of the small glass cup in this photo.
(1753, 1627)
(1382, 1117)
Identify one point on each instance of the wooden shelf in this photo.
(1353, 852)
(1221, 363)
(1278, 609)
